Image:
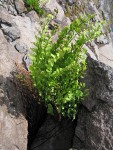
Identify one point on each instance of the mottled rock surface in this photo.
(19, 115)
(21, 47)
(60, 17)
(20, 7)
(95, 120)
(93, 127)
(54, 135)
(106, 54)
(13, 131)
(13, 125)
(11, 33)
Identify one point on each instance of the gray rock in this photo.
(9, 6)
(54, 135)
(5, 18)
(11, 10)
(102, 40)
(60, 17)
(94, 125)
(15, 107)
(106, 54)
(70, 2)
(91, 7)
(13, 128)
(19, 4)
(27, 62)
(12, 32)
(33, 16)
(9, 127)
(21, 47)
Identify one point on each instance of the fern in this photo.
(57, 67)
(35, 5)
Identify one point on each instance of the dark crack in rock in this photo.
(54, 135)
(11, 33)
(20, 7)
(21, 47)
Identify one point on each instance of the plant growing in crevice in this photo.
(35, 5)
(57, 67)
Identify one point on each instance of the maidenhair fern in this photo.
(57, 67)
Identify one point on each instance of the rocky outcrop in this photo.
(23, 121)
(13, 125)
(13, 131)
(94, 126)
(102, 47)
(20, 116)
(54, 135)
(16, 35)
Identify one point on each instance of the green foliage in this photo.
(57, 67)
(35, 5)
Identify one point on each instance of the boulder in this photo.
(33, 16)
(9, 6)
(60, 17)
(94, 124)
(13, 131)
(21, 47)
(106, 54)
(20, 7)
(5, 18)
(13, 125)
(11, 33)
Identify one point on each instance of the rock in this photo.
(5, 18)
(60, 17)
(19, 4)
(12, 32)
(9, 6)
(52, 5)
(27, 28)
(15, 107)
(95, 49)
(54, 135)
(70, 2)
(33, 16)
(90, 53)
(94, 125)
(21, 47)
(102, 40)
(27, 62)
(91, 7)
(11, 10)
(106, 54)
(12, 128)
(13, 125)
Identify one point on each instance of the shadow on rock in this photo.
(18, 104)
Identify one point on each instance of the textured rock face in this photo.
(95, 121)
(18, 114)
(13, 131)
(54, 135)
(15, 31)
(103, 10)
(13, 7)
(60, 17)
(19, 4)
(13, 125)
